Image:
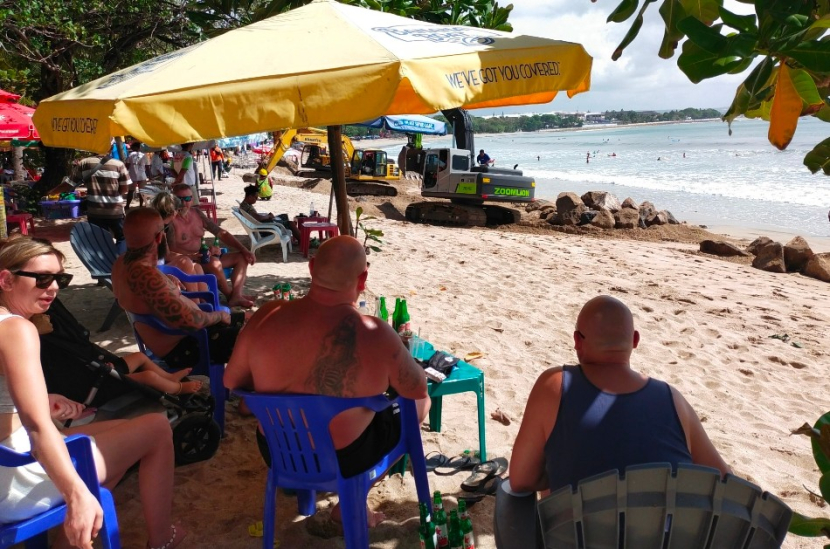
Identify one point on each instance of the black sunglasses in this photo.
(44, 280)
(185, 198)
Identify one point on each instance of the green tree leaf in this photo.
(672, 11)
(817, 160)
(814, 56)
(706, 11)
(743, 23)
(699, 64)
(809, 527)
(623, 11)
(806, 89)
(704, 36)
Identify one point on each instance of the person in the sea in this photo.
(322, 345)
(484, 159)
(142, 289)
(601, 414)
(31, 272)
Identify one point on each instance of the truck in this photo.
(451, 173)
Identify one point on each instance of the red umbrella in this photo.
(15, 119)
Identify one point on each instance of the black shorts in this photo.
(221, 339)
(379, 437)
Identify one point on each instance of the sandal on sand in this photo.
(458, 463)
(489, 488)
(483, 472)
(435, 459)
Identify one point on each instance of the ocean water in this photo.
(739, 180)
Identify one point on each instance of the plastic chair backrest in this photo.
(299, 426)
(94, 247)
(208, 279)
(80, 450)
(251, 224)
(651, 507)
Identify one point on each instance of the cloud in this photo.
(639, 80)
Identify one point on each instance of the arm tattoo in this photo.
(334, 368)
(208, 223)
(409, 378)
(159, 292)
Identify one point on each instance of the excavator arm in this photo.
(462, 129)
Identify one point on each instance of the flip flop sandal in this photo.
(489, 488)
(484, 472)
(435, 459)
(452, 466)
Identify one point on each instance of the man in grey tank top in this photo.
(601, 415)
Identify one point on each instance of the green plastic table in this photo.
(464, 378)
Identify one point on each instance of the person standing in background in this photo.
(184, 166)
(136, 164)
(217, 158)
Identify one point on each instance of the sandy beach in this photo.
(513, 294)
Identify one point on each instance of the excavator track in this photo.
(499, 215)
(370, 189)
(441, 213)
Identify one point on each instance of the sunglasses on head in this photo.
(187, 198)
(44, 280)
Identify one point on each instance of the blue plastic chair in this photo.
(204, 367)
(33, 531)
(211, 296)
(96, 249)
(303, 457)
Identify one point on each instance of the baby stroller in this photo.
(84, 372)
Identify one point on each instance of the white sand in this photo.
(705, 326)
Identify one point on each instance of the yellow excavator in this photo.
(368, 171)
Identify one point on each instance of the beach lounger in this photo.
(648, 507)
(96, 250)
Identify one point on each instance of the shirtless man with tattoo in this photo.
(321, 345)
(142, 289)
(186, 231)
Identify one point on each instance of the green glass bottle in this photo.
(403, 320)
(204, 251)
(426, 531)
(466, 526)
(383, 314)
(441, 532)
(216, 242)
(455, 535)
(396, 313)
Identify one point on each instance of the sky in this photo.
(639, 80)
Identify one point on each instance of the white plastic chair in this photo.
(264, 233)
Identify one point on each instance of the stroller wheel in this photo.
(195, 438)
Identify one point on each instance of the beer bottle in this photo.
(396, 313)
(286, 291)
(204, 251)
(216, 241)
(462, 510)
(441, 532)
(466, 527)
(403, 319)
(426, 532)
(456, 537)
(277, 289)
(382, 313)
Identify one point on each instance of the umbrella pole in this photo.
(338, 180)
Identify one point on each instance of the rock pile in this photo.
(602, 210)
(793, 257)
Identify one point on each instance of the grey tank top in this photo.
(6, 404)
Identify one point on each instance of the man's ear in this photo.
(636, 339)
(577, 341)
(361, 281)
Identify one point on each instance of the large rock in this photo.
(758, 243)
(657, 218)
(587, 216)
(720, 248)
(604, 220)
(601, 200)
(672, 220)
(629, 203)
(627, 218)
(770, 257)
(569, 209)
(819, 267)
(546, 212)
(796, 254)
(538, 205)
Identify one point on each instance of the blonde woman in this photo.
(31, 272)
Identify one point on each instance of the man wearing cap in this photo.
(263, 183)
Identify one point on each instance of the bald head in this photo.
(141, 227)
(606, 327)
(339, 263)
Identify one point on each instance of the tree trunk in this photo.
(338, 179)
(17, 163)
(57, 162)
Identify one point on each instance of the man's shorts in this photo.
(377, 440)
(221, 339)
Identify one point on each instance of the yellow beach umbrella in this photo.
(322, 64)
